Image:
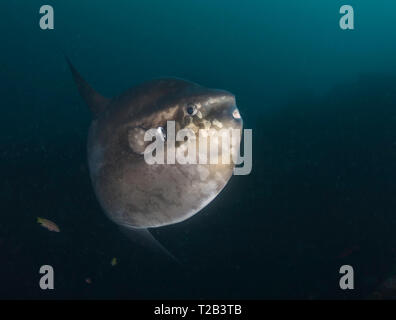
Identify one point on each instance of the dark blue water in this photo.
(321, 103)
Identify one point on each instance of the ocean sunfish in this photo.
(133, 193)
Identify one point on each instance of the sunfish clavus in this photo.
(137, 195)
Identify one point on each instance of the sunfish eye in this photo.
(192, 109)
(162, 133)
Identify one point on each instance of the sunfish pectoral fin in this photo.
(95, 101)
(143, 236)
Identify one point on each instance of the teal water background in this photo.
(321, 103)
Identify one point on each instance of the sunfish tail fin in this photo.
(143, 236)
(95, 101)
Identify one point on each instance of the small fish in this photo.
(113, 262)
(88, 280)
(51, 226)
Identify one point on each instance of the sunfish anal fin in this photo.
(143, 237)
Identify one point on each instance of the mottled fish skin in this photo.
(134, 193)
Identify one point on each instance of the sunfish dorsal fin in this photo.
(95, 101)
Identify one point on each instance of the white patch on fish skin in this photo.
(204, 133)
(209, 188)
(136, 140)
(218, 100)
(217, 123)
